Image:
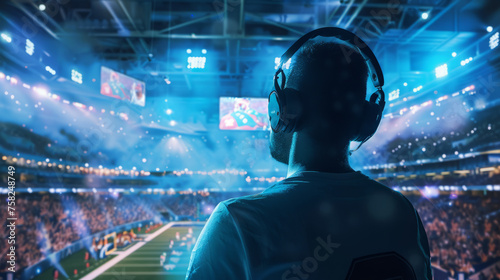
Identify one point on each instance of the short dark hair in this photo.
(331, 78)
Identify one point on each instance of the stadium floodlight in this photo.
(442, 71)
(454, 54)
(204, 51)
(41, 7)
(489, 29)
(50, 70)
(466, 61)
(172, 123)
(196, 62)
(169, 111)
(6, 38)
(393, 94)
(30, 47)
(189, 51)
(76, 76)
(405, 84)
(277, 61)
(425, 15)
(493, 40)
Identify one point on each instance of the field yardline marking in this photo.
(98, 271)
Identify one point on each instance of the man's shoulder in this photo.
(242, 201)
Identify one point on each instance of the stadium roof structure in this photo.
(150, 38)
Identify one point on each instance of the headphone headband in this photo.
(284, 106)
(376, 75)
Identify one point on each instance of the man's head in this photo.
(331, 78)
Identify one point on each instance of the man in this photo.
(325, 220)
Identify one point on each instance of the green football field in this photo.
(141, 259)
(145, 261)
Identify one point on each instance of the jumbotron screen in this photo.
(118, 85)
(238, 113)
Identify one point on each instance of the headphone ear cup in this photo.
(292, 109)
(371, 119)
(274, 111)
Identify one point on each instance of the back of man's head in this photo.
(331, 78)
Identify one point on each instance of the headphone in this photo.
(284, 107)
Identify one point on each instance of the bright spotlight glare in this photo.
(41, 7)
(441, 71)
(425, 16)
(172, 123)
(204, 51)
(6, 38)
(188, 51)
(454, 54)
(489, 28)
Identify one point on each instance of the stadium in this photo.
(124, 123)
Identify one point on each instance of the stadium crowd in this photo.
(463, 231)
(61, 219)
(441, 137)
